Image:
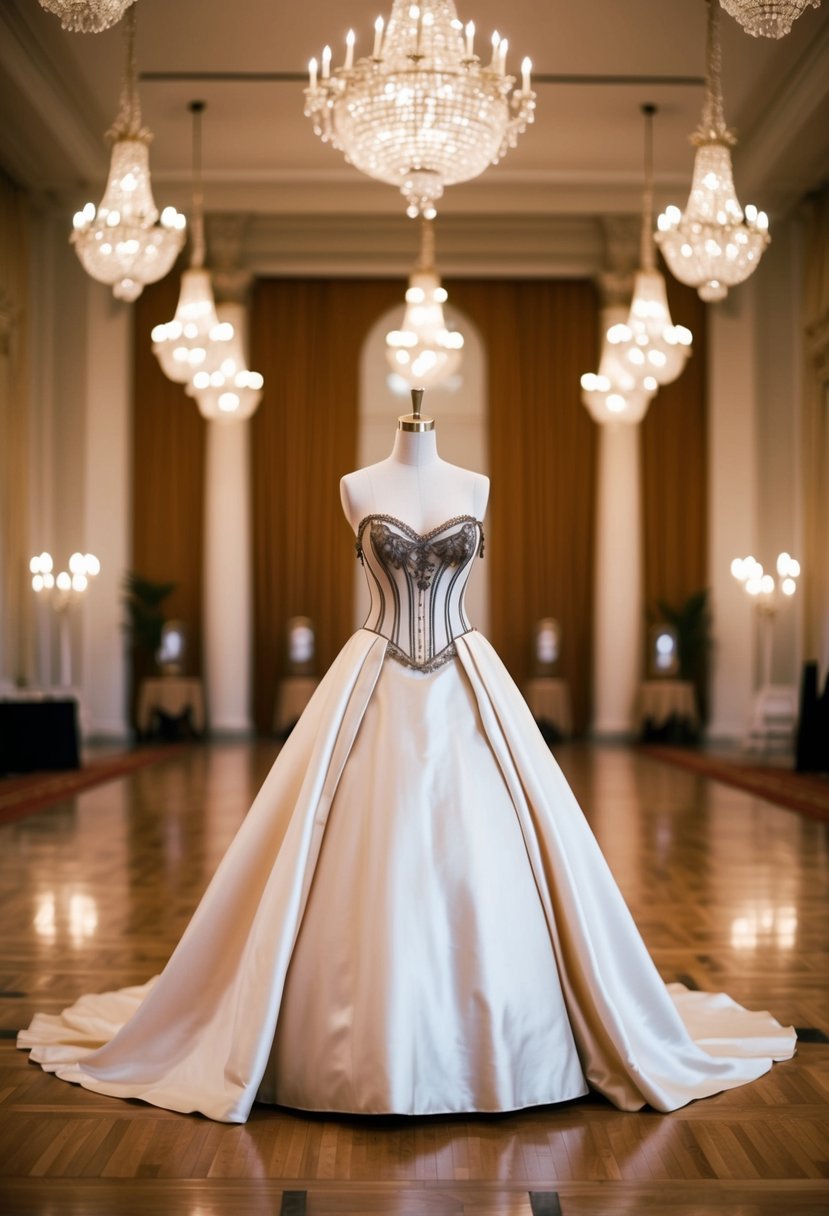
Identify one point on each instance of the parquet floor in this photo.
(728, 891)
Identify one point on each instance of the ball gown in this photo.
(414, 917)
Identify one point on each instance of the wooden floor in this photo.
(729, 892)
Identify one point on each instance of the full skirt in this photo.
(413, 918)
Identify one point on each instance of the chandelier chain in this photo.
(646, 253)
(197, 252)
(713, 127)
(128, 123)
(426, 262)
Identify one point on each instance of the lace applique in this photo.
(420, 558)
(446, 655)
(413, 554)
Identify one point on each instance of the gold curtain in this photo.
(306, 338)
(540, 335)
(168, 447)
(15, 590)
(815, 429)
(674, 476)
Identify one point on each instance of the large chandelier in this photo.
(195, 340)
(766, 18)
(421, 112)
(87, 16)
(121, 242)
(231, 392)
(648, 343)
(424, 351)
(615, 393)
(714, 245)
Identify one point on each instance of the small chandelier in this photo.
(421, 112)
(648, 343)
(195, 340)
(714, 245)
(424, 352)
(615, 393)
(87, 16)
(120, 242)
(765, 18)
(232, 392)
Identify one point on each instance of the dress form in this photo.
(413, 483)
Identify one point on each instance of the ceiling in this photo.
(594, 63)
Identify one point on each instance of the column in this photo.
(617, 641)
(228, 624)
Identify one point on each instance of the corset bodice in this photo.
(417, 585)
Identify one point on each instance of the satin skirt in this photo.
(413, 918)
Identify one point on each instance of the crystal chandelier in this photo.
(615, 393)
(232, 392)
(87, 16)
(648, 343)
(421, 112)
(714, 245)
(424, 352)
(766, 18)
(120, 242)
(195, 340)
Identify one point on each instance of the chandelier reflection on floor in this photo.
(87, 16)
(714, 245)
(120, 242)
(766, 18)
(424, 351)
(421, 112)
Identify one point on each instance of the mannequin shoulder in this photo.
(356, 495)
(476, 486)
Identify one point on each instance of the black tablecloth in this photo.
(36, 735)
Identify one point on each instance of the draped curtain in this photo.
(815, 450)
(540, 335)
(15, 589)
(306, 339)
(674, 476)
(168, 444)
(306, 336)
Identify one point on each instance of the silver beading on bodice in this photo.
(417, 585)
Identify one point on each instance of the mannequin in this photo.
(413, 483)
(414, 917)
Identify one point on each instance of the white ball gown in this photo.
(414, 916)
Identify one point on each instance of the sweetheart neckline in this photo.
(413, 532)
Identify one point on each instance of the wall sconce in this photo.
(61, 591)
(774, 710)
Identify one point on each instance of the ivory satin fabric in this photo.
(414, 917)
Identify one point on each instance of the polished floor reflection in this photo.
(729, 892)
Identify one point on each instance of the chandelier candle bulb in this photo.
(502, 56)
(470, 39)
(349, 50)
(326, 62)
(312, 72)
(526, 68)
(496, 42)
(378, 39)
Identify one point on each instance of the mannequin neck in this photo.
(415, 447)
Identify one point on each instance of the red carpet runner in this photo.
(804, 792)
(20, 796)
